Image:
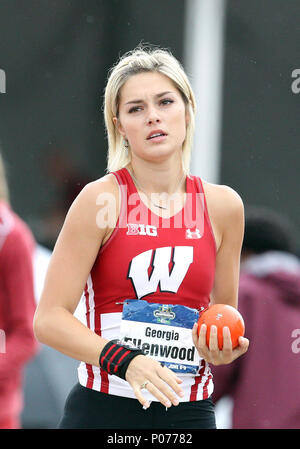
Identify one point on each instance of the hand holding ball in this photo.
(223, 315)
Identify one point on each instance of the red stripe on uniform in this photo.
(104, 388)
(90, 372)
(87, 305)
(194, 388)
(205, 391)
(97, 330)
(104, 381)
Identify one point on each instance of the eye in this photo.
(166, 101)
(134, 109)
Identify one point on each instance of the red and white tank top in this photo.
(154, 259)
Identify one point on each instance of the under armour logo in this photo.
(193, 234)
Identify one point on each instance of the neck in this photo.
(158, 179)
(164, 195)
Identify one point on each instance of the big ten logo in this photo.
(141, 229)
(2, 82)
(2, 342)
(296, 83)
(296, 342)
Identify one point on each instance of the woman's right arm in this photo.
(73, 257)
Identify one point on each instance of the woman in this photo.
(17, 307)
(146, 265)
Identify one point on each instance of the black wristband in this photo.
(115, 358)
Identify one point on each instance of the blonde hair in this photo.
(144, 59)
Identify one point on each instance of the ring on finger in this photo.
(144, 385)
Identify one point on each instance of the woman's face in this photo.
(152, 116)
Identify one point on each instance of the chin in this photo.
(158, 155)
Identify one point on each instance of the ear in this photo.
(119, 126)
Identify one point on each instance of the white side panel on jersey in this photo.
(91, 302)
(110, 325)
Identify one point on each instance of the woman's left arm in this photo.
(229, 216)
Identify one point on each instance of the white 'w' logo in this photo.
(168, 280)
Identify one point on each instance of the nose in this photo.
(153, 120)
(153, 117)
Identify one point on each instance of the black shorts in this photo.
(89, 409)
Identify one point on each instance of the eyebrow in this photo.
(157, 96)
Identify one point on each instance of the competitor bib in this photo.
(163, 332)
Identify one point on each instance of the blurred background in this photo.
(242, 59)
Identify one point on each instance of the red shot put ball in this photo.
(223, 315)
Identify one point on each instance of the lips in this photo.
(156, 133)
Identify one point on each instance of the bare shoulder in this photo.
(221, 191)
(225, 208)
(105, 184)
(96, 206)
(223, 197)
(97, 193)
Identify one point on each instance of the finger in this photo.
(162, 393)
(227, 345)
(170, 380)
(152, 371)
(202, 347)
(202, 336)
(165, 370)
(227, 342)
(213, 339)
(242, 348)
(139, 395)
(195, 334)
(244, 343)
